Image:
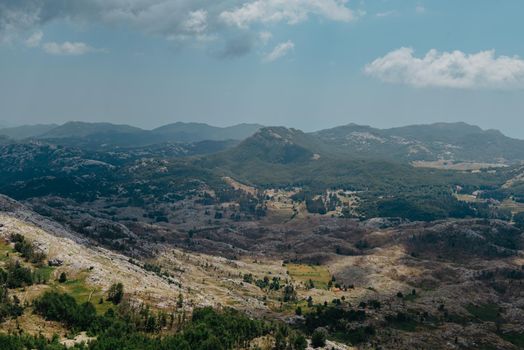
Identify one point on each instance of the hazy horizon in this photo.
(3, 125)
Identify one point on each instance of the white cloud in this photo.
(265, 37)
(449, 69)
(35, 39)
(290, 11)
(194, 26)
(68, 48)
(196, 22)
(15, 18)
(213, 22)
(280, 51)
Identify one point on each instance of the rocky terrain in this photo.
(454, 282)
(284, 226)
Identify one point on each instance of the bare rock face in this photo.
(55, 262)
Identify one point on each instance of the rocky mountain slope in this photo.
(451, 142)
(385, 283)
(457, 142)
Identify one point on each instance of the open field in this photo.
(5, 250)
(460, 166)
(514, 207)
(77, 287)
(319, 275)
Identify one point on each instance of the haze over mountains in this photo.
(458, 142)
(97, 134)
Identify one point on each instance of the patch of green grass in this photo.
(484, 312)
(46, 272)
(291, 307)
(78, 289)
(303, 273)
(515, 338)
(5, 251)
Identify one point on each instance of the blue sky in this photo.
(309, 64)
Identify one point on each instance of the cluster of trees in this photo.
(248, 204)
(519, 220)
(63, 308)
(337, 321)
(266, 283)
(23, 342)
(317, 205)
(124, 329)
(458, 243)
(287, 339)
(275, 284)
(9, 306)
(27, 249)
(16, 275)
(116, 293)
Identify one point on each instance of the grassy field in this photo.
(76, 286)
(303, 273)
(46, 272)
(5, 250)
(513, 206)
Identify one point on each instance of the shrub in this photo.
(318, 339)
(116, 293)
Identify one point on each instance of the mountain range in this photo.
(440, 141)
(96, 135)
(450, 142)
(405, 237)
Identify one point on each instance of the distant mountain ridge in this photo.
(27, 131)
(193, 132)
(94, 135)
(459, 142)
(449, 142)
(83, 129)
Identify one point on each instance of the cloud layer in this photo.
(177, 20)
(35, 39)
(280, 51)
(68, 48)
(449, 69)
(290, 11)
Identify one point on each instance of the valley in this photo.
(282, 226)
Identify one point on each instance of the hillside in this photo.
(82, 129)
(271, 158)
(27, 131)
(282, 226)
(95, 136)
(194, 132)
(440, 145)
(456, 142)
(280, 157)
(367, 282)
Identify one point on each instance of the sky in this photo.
(309, 64)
